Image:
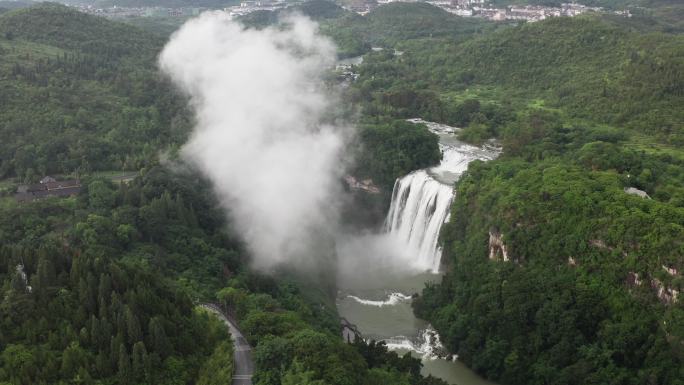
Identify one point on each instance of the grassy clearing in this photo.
(651, 145)
(494, 95)
(486, 94)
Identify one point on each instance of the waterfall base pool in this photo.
(380, 306)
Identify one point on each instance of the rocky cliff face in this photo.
(666, 294)
(497, 248)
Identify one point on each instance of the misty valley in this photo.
(345, 192)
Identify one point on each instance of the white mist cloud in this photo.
(259, 100)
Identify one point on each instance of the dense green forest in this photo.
(590, 68)
(385, 26)
(101, 288)
(84, 295)
(389, 25)
(297, 343)
(389, 150)
(584, 296)
(81, 93)
(584, 108)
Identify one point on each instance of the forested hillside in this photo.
(589, 68)
(394, 23)
(556, 274)
(102, 288)
(81, 93)
(84, 298)
(385, 26)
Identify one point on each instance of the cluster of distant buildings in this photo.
(249, 6)
(528, 13)
(480, 8)
(115, 12)
(245, 7)
(467, 8)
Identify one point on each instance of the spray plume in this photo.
(259, 103)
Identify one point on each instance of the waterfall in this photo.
(421, 201)
(420, 205)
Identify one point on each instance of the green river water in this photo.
(395, 321)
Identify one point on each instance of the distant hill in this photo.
(386, 25)
(593, 67)
(67, 28)
(395, 22)
(589, 65)
(668, 12)
(318, 10)
(343, 26)
(321, 9)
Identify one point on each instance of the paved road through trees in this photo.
(243, 364)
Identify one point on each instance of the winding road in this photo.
(243, 364)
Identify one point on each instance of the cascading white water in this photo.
(392, 299)
(420, 205)
(427, 345)
(421, 200)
